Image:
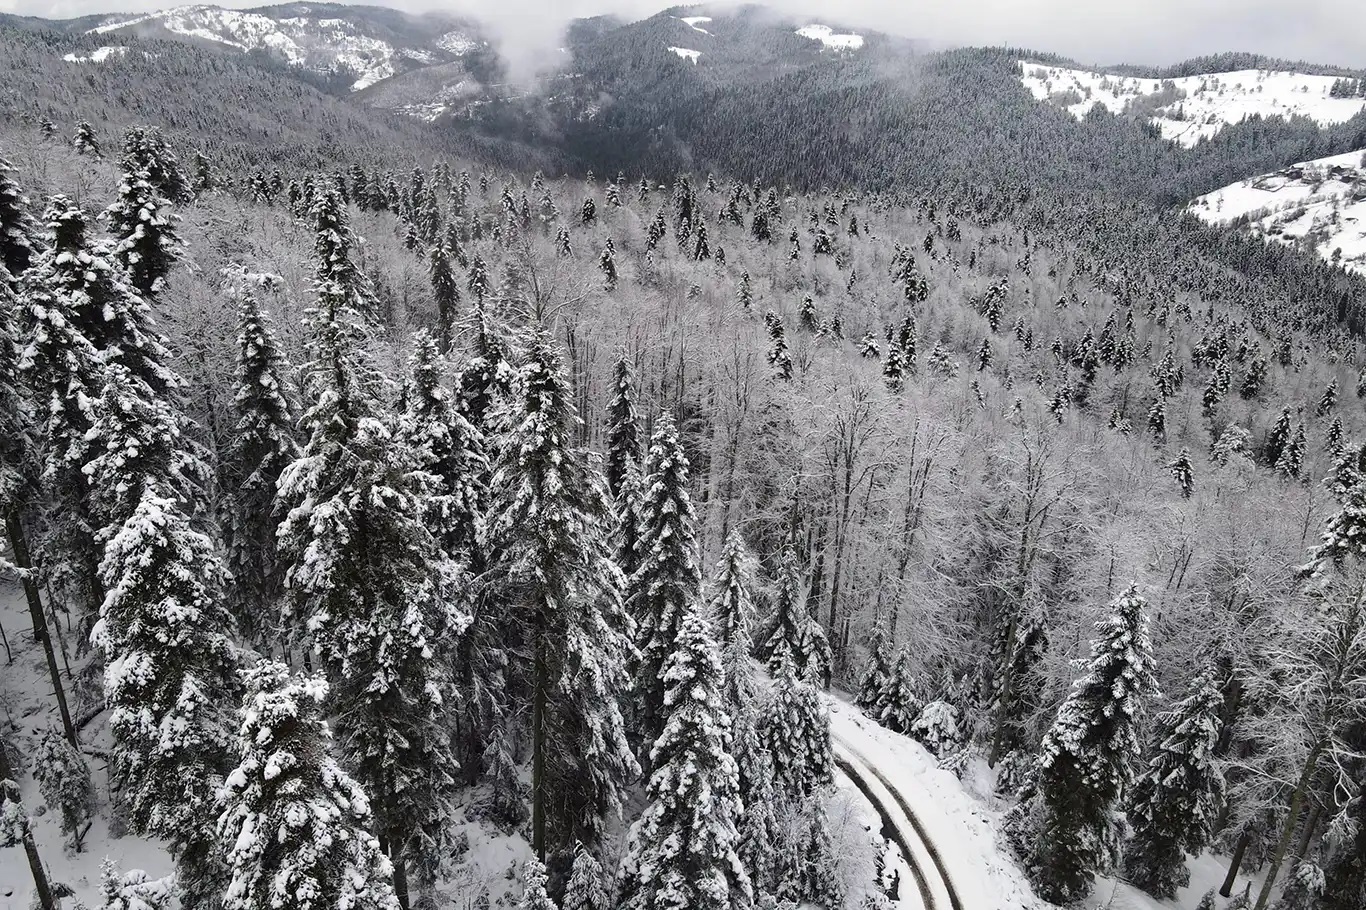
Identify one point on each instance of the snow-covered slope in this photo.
(319, 43)
(1192, 108)
(827, 36)
(98, 55)
(1318, 204)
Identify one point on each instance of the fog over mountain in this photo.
(1160, 32)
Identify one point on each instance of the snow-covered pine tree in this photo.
(730, 609)
(446, 290)
(1183, 474)
(1345, 865)
(146, 150)
(666, 583)
(682, 852)
(589, 887)
(551, 530)
(1304, 887)
(486, 383)
(623, 440)
(295, 827)
(1174, 803)
(1088, 755)
(778, 356)
(64, 780)
(18, 231)
(939, 729)
(876, 672)
(169, 666)
(450, 449)
(146, 244)
(134, 889)
(794, 729)
(792, 633)
(534, 896)
(382, 602)
(811, 878)
(900, 702)
(262, 445)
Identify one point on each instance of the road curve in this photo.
(932, 879)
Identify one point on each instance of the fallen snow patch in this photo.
(1192, 108)
(692, 23)
(1319, 205)
(826, 36)
(686, 54)
(98, 55)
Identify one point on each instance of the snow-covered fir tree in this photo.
(876, 672)
(1067, 830)
(623, 441)
(551, 528)
(295, 827)
(666, 583)
(589, 886)
(134, 889)
(163, 632)
(18, 230)
(900, 701)
(794, 729)
(939, 729)
(682, 853)
(730, 609)
(534, 880)
(262, 445)
(792, 633)
(145, 240)
(64, 780)
(446, 290)
(380, 599)
(1174, 803)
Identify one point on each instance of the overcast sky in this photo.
(1094, 31)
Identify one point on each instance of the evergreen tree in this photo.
(682, 853)
(64, 780)
(169, 666)
(1182, 473)
(550, 526)
(145, 150)
(446, 290)
(18, 231)
(262, 445)
(794, 729)
(608, 263)
(900, 702)
(381, 600)
(146, 244)
(778, 356)
(588, 887)
(623, 442)
(294, 827)
(1277, 440)
(534, 896)
(1290, 463)
(487, 379)
(1328, 400)
(876, 674)
(1087, 758)
(792, 633)
(84, 140)
(448, 448)
(730, 608)
(1174, 804)
(133, 890)
(666, 583)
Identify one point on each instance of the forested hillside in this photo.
(392, 528)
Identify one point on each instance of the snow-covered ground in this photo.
(695, 23)
(1192, 108)
(1319, 204)
(827, 36)
(316, 44)
(686, 54)
(98, 55)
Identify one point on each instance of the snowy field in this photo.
(1319, 204)
(1192, 108)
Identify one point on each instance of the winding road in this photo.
(900, 824)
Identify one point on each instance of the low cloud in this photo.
(530, 32)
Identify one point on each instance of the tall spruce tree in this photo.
(146, 244)
(794, 729)
(623, 442)
(294, 827)
(18, 230)
(589, 887)
(262, 446)
(730, 608)
(792, 633)
(446, 289)
(682, 853)
(550, 528)
(667, 581)
(1174, 804)
(1066, 828)
(381, 601)
(876, 672)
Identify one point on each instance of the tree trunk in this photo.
(14, 526)
(1236, 863)
(400, 871)
(1292, 818)
(538, 745)
(35, 865)
(1311, 823)
(1007, 683)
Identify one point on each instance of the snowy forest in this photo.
(429, 535)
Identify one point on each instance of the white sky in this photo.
(1094, 31)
